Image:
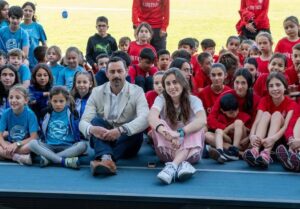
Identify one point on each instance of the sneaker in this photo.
(72, 162)
(24, 159)
(168, 173)
(44, 162)
(264, 159)
(250, 156)
(217, 154)
(294, 160)
(185, 171)
(232, 153)
(283, 155)
(103, 167)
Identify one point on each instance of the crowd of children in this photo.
(239, 104)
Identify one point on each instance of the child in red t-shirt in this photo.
(273, 116)
(210, 93)
(201, 77)
(251, 65)
(233, 44)
(231, 62)
(292, 70)
(209, 45)
(164, 60)
(141, 74)
(285, 45)
(244, 50)
(231, 132)
(264, 42)
(143, 36)
(277, 64)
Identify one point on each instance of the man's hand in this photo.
(98, 131)
(112, 135)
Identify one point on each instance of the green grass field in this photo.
(214, 19)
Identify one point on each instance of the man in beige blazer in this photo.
(114, 119)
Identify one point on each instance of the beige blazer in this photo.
(133, 109)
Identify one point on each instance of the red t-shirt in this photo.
(216, 58)
(135, 71)
(200, 81)
(150, 97)
(290, 129)
(225, 121)
(292, 74)
(154, 12)
(209, 97)
(262, 65)
(134, 51)
(267, 104)
(260, 86)
(285, 47)
(195, 64)
(241, 100)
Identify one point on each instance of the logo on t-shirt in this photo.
(17, 133)
(58, 130)
(11, 44)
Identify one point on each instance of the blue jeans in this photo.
(123, 147)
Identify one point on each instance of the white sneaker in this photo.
(185, 171)
(168, 173)
(24, 159)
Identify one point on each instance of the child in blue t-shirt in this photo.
(83, 84)
(14, 36)
(15, 58)
(53, 55)
(8, 78)
(35, 31)
(22, 127)
(61, 142)
(66, 76)
(41, 84)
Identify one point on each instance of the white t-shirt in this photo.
(196, 106)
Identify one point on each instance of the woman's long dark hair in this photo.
(185, 106)
(249, 95)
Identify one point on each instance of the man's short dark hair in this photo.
(116, 59)
(15, 11)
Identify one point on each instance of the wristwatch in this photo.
(19, 144)
(124, 130)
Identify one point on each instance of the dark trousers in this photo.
(145, 83)
(123, 147)
(158, 42)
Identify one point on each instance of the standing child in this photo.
(35, 31)
(22, 127)
(4, 7)
(164, 60)
(142, 73)
(274, 113)
(66, 76)
(177, 118)
(101, 42)
(41, 84)
(143, 36)
(209, 45)
(264, 42)
(8, 78)
(83, 84)
(61, 142)
(231, 130)
(285, 45)
(16, 36)
(15, 58)
(54, 57)
(211, 92)
(124, 44)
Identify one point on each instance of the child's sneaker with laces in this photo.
(232, 153)
(264, 159)
(294, 160)
(283, 155)
(72, 162)
(168, 173)
(217, 154)
(44, 162)
(250, 156)
(185, 171)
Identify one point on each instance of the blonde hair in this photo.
(21, 89)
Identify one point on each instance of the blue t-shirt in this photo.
(55, 72)
(66, 76)
(4, 23)
(58, 130)
(36, 35)
(24, 73)
(19, 126)
(4, 106)
(11, 40)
